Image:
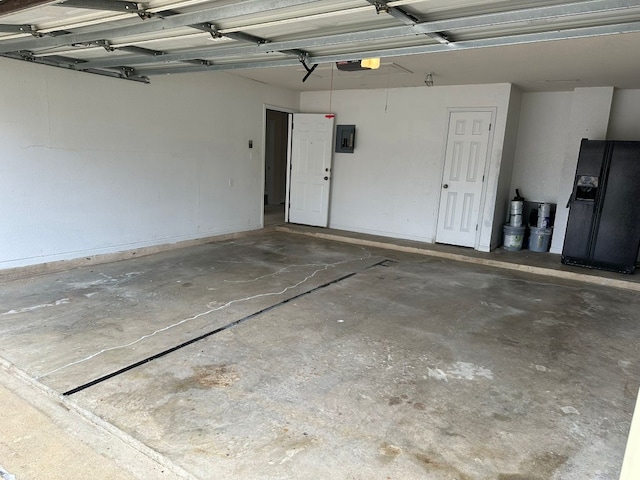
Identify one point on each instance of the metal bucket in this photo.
(515, 220)
(539, 239)
(513, 237)
(516, 207)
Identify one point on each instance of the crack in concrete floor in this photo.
(323, 267)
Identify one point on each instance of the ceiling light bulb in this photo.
(371, 63)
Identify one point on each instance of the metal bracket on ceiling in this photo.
(139, 50)
(407, 19)
(106, 45)
(27, 28)
(381, 7)
(6, 28)
(197, 61)
(300, 54)
(210, 28)
(396, 12)
(246, 37)
(127, 71)
(56, 33)
(25, 55)
(303, 60)
(157, 53)
(108, 5)
(96, 43)
(124, 73)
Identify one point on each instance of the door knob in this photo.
(326, 178)
(445, 186)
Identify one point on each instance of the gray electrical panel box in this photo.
(345, 138)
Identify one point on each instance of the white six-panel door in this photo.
(310, 168)
(462, 181)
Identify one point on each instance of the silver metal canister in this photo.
(515, 215)
(544, 215)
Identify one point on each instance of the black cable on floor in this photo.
(213, 332)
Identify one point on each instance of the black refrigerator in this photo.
(603, 230)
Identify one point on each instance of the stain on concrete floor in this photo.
(415, 368)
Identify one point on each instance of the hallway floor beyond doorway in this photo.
(273, 215)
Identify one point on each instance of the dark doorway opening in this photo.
(275, 175)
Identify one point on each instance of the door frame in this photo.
(287, 186)
(265, 107)
(487, 166)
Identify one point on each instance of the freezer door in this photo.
(618, 235)
(584, 202)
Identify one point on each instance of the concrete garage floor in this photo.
(319, 359)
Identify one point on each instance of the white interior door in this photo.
(463, 178)
(310, 168)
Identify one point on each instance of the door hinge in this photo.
(483, 178)
(489, 127)
(476, 228)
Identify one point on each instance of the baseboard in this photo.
(381, 233)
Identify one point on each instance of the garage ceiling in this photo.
(538, 45)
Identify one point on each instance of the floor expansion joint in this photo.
(217, 330)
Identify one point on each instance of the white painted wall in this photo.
(542, 134)
(390, 186)
(92, 165)
(625, 116)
